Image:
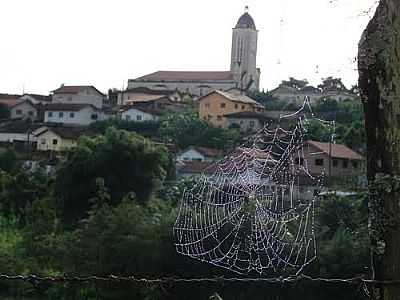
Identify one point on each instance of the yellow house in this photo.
(58, 138)
(214, 106)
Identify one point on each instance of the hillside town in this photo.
(48, 125)
(182, 168)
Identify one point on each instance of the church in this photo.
(243, 73)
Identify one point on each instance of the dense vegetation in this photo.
(109, 210)
(183, 130)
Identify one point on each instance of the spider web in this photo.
(247, 212)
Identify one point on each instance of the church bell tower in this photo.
(244, 53)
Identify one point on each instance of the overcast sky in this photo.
(45, 43)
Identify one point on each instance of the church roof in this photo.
(188, 76)
(246, 21)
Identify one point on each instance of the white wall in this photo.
(137, 116)
(88, 96)
(11, 137)
(191, 155)
(246, 124)
(23, 110)
(82, 117)
(46, 142)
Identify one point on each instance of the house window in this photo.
(355, 164)
(345, 164)
(335, 163)
(50, 114)
(72, 115)
(252, 123)
(94, 116)
(243, 107)
(209, 117)
(43, 141)
(207, 105)
(219, 118)
(55, 142)
(128, 117)
(18, 112)
(223, 105)
(236, 106)
(61, 114)
(139, 118)
(30, 113)
(319, 162)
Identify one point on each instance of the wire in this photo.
(172, 280)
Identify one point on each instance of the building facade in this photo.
(246, 122)
(72, 114)
(78, 94)
(139, 114)
(24, 110)
(335, 160)
(194, 153)
(215, 106)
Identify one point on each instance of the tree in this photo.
(8, 160)
(379, 81)
(188, 130)
(332, 84)
(295, 83)
(125, 161)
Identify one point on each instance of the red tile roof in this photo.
(10, 102)
(74, 89)
(9, 96)
(188, 76)
(235, 97)
(209, 152)
(337, 150)
(66, 107)
(68, 132)
(142, 109)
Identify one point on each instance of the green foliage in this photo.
(188, 130)
(125, 162)
(317, 131)
(343, 236)
(19, 190)
(145, 128)
(8, 160)
(111, 185)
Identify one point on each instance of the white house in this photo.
(74, 114)
(201, 154)
(78, 94)
(24, 109)
(138, 114)
(59, 138)
(247, 121)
